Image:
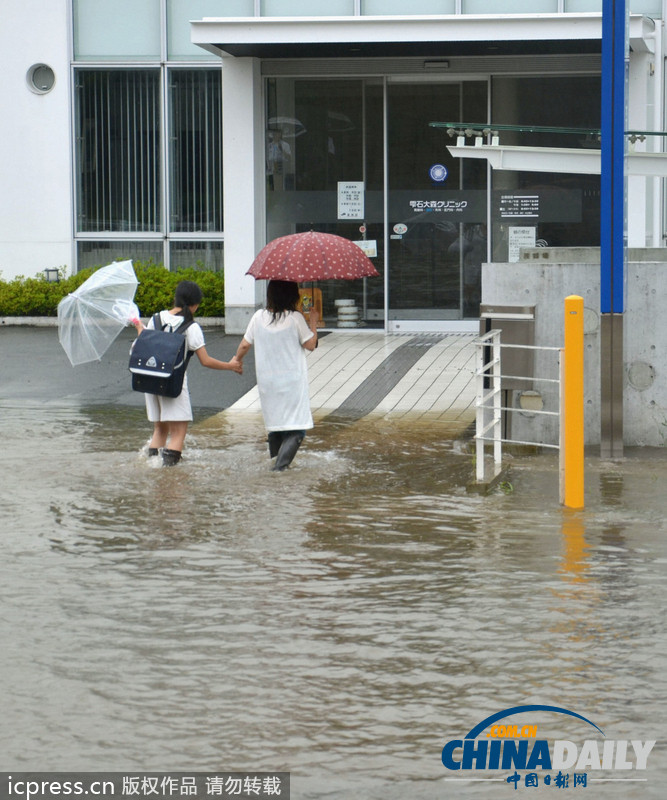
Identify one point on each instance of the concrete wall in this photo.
(35, 178)
(243, 176)
(543, 278)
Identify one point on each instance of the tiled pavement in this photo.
(370, 373)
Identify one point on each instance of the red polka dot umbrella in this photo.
(311, 256)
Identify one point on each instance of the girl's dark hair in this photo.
(281, 296)
(187, 294)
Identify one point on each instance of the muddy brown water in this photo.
(341, 621)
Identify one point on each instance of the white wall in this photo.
(35, 173)
(243, 180)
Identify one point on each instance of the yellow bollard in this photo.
(572, 414)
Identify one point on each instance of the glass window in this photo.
(179, 14)
(195, 150)
(550, 209)
(97, 254)
(389, 7)
(201, 255)
(118, 150)
(316, 8)
(509, 6)
(124, 29)
(581, 6)
(652, 8)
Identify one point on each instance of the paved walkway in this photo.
(370, 373)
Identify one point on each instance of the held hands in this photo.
(236, 365)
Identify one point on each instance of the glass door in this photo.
(324, 144)
(356, 157)
(437, 205)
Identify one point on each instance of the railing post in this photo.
(479, 418)
(572, 411)
(497, 403)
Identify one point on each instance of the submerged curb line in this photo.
(52, 322)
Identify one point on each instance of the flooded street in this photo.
(341, 621)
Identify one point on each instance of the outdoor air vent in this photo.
(41, 78)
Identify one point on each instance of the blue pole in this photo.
(612, 185)
(615, 63)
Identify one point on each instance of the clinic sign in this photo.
(519, 205)
(501, 745)
(439, 206)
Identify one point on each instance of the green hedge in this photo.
(37, 297)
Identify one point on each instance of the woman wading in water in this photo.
(281, 336)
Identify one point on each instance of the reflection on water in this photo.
(342, 620)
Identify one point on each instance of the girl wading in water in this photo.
(171, 415)
(281, 336)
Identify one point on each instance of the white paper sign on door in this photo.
(369, 246)
(350, 199)
(520, 237)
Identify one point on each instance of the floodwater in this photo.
(341, 621)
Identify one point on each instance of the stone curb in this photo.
(52, 322)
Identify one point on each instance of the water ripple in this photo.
(341, 620)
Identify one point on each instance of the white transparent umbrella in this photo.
(92, 316)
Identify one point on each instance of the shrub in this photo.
(37, 297)
(157, 287)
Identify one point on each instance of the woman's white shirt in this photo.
(281, 369)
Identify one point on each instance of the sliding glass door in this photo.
(437, 204)
(356, 157)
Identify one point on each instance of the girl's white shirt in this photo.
(194, 335)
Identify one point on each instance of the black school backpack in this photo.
(159, 359)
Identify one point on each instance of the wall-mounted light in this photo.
(52, 274)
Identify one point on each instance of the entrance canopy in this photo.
(342, 168)
(559, 159)
(403, 36)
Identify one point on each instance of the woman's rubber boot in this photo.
(288, 448)
(275, 440)
(170, 457)
(153, 451)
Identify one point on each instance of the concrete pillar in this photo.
(243, 185)
(640, 118)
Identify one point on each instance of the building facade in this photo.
(194, 131)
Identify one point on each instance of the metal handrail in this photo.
(453, 128)
(530, 411)
(488, 128)
(488, 401)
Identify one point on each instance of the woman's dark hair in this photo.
(281, 296)
(187, 294)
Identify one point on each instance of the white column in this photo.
(639, 118)
(243, 185)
